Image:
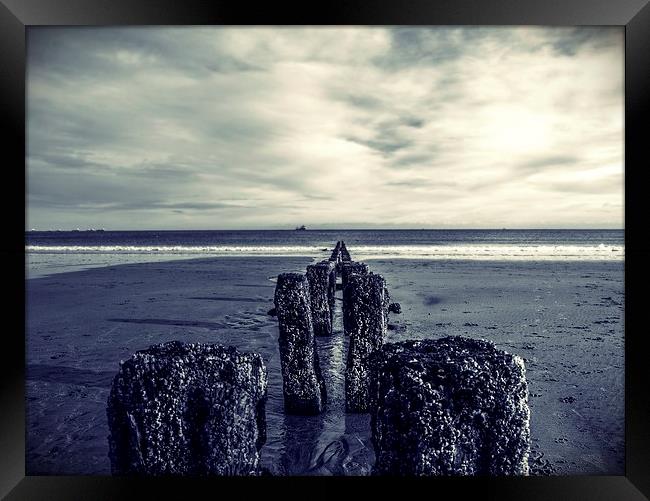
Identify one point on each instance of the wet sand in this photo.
(564, 318)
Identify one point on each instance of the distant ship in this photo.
(301, 228)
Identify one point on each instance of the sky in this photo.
(346, 127)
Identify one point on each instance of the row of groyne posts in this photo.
(305, 307)
(446, 406)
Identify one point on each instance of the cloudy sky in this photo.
(164, 128)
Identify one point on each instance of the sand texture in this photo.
(565, 319)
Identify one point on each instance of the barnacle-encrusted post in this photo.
(367, 307)
(304, 387)
(450, 406)
(322, 286)
(349, 268)
(187, 409)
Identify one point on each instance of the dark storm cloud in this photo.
(598, 37)
(551, 161)
(68, 124)
(425, 159)
(178, 207)
(413, 122)
(446, 44)
(114, 51)
(406, 184)
(422, 46)
(49, 188)
(384, 145)
(58, 161)
(610, 184)
(362, 101)
(423, 182)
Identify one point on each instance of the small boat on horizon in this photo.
(301, 228)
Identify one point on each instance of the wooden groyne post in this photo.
(349, 268)
(336, 253)
(450, 406)
(304, 387)
(366, 304)
(187, 409)
(322, 289)
(345, 255)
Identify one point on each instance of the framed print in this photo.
(400, 243)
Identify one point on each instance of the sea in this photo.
(50, 252)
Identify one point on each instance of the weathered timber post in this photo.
(336, 253)
(349, 268)
(304, 387)
(187, 409)
(331, 288)
(366, 304)
(345, 255)
(450, 406)
(322, 280)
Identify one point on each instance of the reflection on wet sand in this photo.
(332, 443)
(362, 455)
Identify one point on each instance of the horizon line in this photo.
(100, 230)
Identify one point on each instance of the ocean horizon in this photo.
(49, 252)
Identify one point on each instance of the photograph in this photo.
(325, 250)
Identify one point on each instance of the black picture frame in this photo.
(16, 15)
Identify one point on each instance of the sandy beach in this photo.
(564, 318)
